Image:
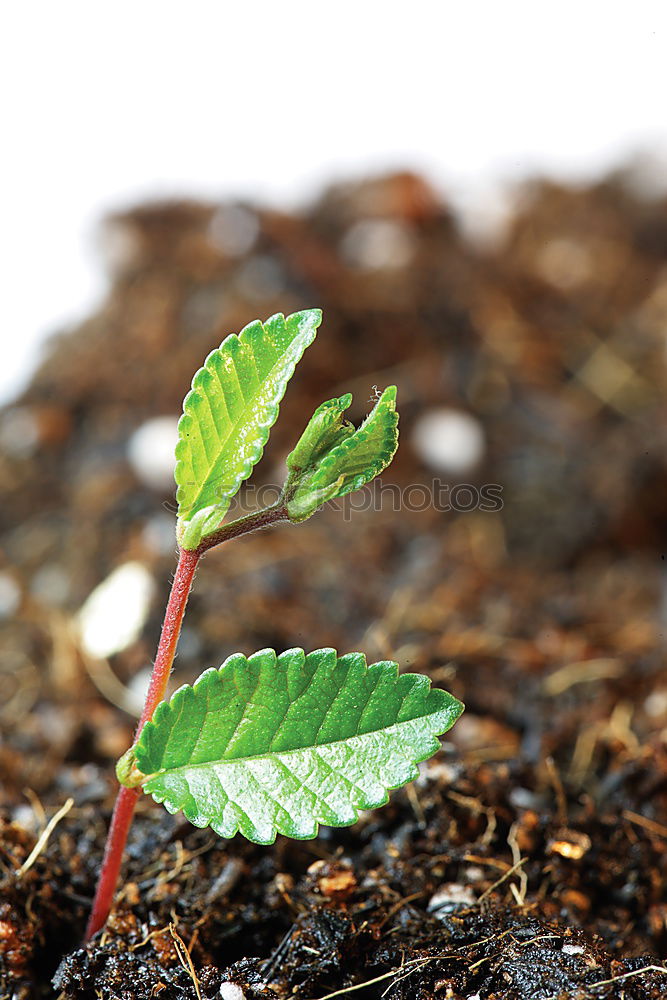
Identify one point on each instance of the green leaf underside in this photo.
(229, 412)
(278, 744)
(334, 458)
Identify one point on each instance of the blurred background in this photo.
(476, 196)
(108, 106)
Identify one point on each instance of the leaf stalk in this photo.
(243, 525)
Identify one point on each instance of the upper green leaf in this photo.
(277, 744)
(331, 458)
(228, 415)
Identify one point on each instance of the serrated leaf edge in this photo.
(248, 829)
(385, 405)
(230, 345)
(437, 722)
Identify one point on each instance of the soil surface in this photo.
(528, 860)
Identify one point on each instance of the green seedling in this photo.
(269, 744)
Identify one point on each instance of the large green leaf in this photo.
(277, 744)
(331, 458)
(228, 415)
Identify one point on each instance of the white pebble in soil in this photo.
(150, 452)
(655, 704)
(230, 991)
(10, 595)
(234, 230)
(450, 897)
(19, 432)
(114, 614)
(449, 441)
(120, 247)
(378, 244)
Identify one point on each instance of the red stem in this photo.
(121, 821)
(164, 659)
(171, 629)
(127, 797)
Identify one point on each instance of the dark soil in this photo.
(528, 860)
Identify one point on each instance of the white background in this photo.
(106, 103)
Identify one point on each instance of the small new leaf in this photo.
(331, 458)
(228, 415)
(278, 744)
(326, 428)
(127, 771)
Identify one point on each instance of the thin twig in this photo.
(43, 839)
(360, 986)
(277, 955)
(648, 824)
(417, 807)
(477, 859)
(585, 671)
(609, 982)
(184, 958)
(520, 896)
(557, 784)
(477, 808)
(417, 966)
(149, 937)
(629, 975)
(502, 878)
(400, 972)
(36, 804)
(393, 910)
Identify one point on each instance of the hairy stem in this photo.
(121, 821)
(127, 797)
(251, 522)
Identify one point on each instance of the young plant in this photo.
(269, 744)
